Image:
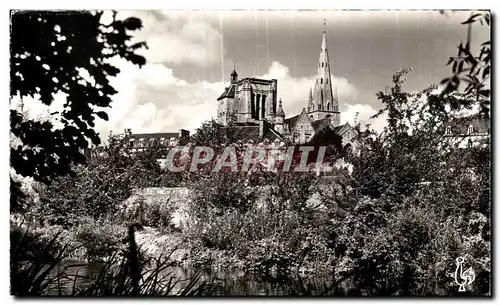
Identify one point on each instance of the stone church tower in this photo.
(323, 102)
(247, 101)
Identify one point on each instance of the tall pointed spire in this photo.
(323, 102)
(310, 104)
(280, 111)
(234, 75)
(323, 95)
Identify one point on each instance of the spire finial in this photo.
(324, 25)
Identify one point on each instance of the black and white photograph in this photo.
(250, 153)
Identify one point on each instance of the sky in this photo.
(191, 54)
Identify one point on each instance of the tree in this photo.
(412, 190)
(50, 53)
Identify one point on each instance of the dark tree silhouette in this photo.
(48, 52)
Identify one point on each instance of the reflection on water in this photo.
(239, 283)
(225, 283)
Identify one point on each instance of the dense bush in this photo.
(100, 238)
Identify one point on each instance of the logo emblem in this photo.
(463, 278)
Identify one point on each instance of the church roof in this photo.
(228, 92)
(292, 120)
(247, 133)
(320, 124)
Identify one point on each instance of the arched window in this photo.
(321, 80)
(327, 80)
(470, 130)
(311, 118)
(328, 106)
(322, 64)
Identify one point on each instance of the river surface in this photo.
(238, 283)
(223, 282)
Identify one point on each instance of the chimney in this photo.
(183, 136)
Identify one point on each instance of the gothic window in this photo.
(322, 64)
(321, 95)
(257, 107)
(131, 143)
(311, 118)
(326, 80)
(141, 143)
(151, 142)
(263, 114)
(252, 105)
(321, 80)
(328, 106)
(162, 141)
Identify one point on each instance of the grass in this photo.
(36, 271)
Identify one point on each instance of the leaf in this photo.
(471, 19)
(486, 72)
(132, 23)
(445, 80)
(103, 115)
(139, 45)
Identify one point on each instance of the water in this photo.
(239, 283)
(223, 282)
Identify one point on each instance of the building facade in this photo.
(247, 100)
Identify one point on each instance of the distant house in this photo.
(468, 131)
(142, 141)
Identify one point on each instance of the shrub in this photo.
(100, 238)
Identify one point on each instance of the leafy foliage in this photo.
(49, 53)
(471, 69)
